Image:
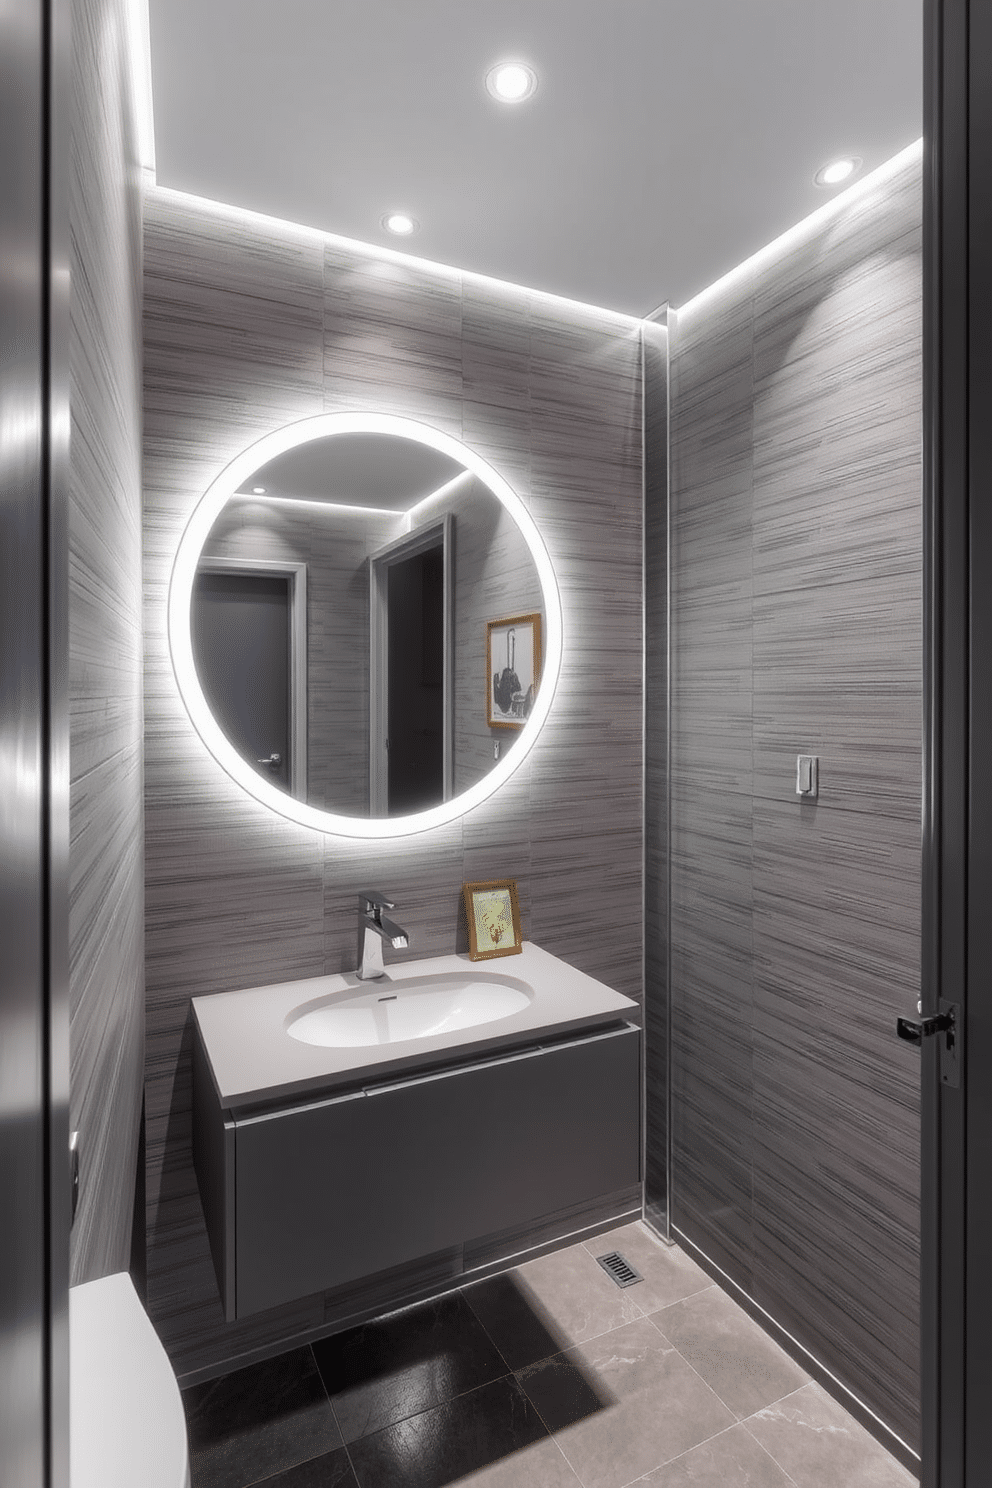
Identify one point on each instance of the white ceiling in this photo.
(380, 470)
(668, 139)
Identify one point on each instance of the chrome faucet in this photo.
(373, 929)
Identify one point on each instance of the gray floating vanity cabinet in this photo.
(411, 1179)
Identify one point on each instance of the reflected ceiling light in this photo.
(258, 490)
(400, 223)
(346, 508)
(837, 171)
(511, 82)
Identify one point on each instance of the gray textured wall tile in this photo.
(796, 556)
(526, 386)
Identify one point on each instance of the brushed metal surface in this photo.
(34, 1128)
(106, 907)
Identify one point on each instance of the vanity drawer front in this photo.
(333, 1192)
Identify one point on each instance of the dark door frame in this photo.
(296, 576)
(435, 534)
(957, 826)
(35, 88)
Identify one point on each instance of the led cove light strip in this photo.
(344, 508)
(809, 225)
(447, 489)
(384, 253)
(138, 42)
(341, 508)
(181, 641)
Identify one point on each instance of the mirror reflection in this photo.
(367, 625)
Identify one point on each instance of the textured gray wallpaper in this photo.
(251, 324)
(106, 908)
(796, 579)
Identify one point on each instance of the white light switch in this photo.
(807, 774)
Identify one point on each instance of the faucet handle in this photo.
(371, 899)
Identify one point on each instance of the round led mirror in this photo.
(364, 625)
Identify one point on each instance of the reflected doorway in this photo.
(411, 756)
(248, 623)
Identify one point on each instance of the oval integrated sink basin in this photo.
(415, 1008)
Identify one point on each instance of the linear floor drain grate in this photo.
(620, 1269)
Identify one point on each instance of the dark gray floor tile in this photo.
(258, 1421)
(541, 1465)
(445, 1444)
(563, 1392)
(406, 1363)
(331, 1470)
(517, 1324)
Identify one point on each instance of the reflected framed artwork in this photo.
(513, 665)
(493, 914)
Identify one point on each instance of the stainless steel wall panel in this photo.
(106, 909)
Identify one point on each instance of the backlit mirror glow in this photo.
(376, 591)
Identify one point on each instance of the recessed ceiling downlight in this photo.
(511, 82)
(837, 171)
(400, 223)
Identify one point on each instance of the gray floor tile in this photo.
(669, 1274)
(539, 1466)
(654, 1405)
(820, 1446)
(731, 1460)
(576, 1295)
(735, 1357)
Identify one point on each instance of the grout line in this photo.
(689, 1450)
(475, 1315)
(873, 1440)
(733, 1290)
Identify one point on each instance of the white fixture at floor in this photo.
(126, 1423)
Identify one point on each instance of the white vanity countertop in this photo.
(254, 1059)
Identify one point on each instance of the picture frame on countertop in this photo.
(493, 913)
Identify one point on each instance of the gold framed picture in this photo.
(493, 913)
(513, 666)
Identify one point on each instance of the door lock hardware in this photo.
(946, 1023)
(73, 1176)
